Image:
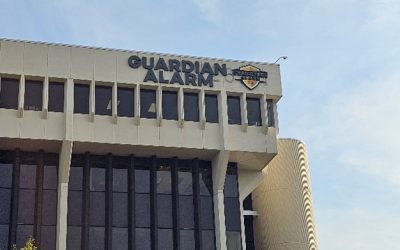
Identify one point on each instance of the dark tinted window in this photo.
(234, 113)
(3, 236)
(75, 178)
(187, 241)
(49, 209)
(208, 239)
(26, 199)
(142, 181)
(142, 239)
(81, 98)
(97, 179)
(23, 233)
(126, 102)
(205, 178)
(164, 179)
(148, 107)
(33, 95)
(97, 208)
(120, 209)
(5, 205)
(232, 214)
(191, 106)
(96, 238)
(211, 102)
(50, 177)
(142, 210)
(120, 180)
(253, 112)
(103, 100)
(185, 181)
(56, 97)
(165, 239)
(6, 175)
(164, 211)
(120, 239)
(186, 212)
(231, 186)
(48, 238)
(27, 176)
(74, 238)
(271, 115)
(207, 212)
(74, 208)
(9, 89)
(170, 105)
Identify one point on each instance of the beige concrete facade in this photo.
(283, 201)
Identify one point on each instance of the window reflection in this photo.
(234, 112)
(9, 89)
(33, 95)
(148, 107)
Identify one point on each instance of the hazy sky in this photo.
(341, 83)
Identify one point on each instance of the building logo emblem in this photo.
(250, 75)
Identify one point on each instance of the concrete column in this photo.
(243, 109)
(202, 109)
(137, 104)
(92, 100)
(69, 108)
(181, 115)
(45, 101)
(21, 96)
(114, 101)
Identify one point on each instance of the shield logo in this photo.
(250, 75)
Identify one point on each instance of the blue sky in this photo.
(341, 92)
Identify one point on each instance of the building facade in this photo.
(114, 149)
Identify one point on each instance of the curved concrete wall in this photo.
(284, 202)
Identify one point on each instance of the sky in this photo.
(341, 83)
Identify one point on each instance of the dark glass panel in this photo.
(75, 178)
(233, 240)
(142, 181)
(148, 107)
(74, 207)
(232, 214)
(164, 179)
(120, 209)
(27, 176)
(9, 89)
(50, 177)
(96, 238)
(211, 102)
(74, 238)
(6, 175)
(97, 208)
(165, 239)
(207, 212)
(187, 241)
(33, 95)
(97, 179)
(248, 203)
(170, 105)
(186, 212)
(23, 233)
(164, 211)
(248, 225)
(120, 180)
(26, 200)
(120, 239)
(185, 181)
(56, 97)
(205, 179)
(142, 239)
(81, 98)
(191, 107)
(234, 112)
(271, 115)
(5, 204)
(103, 100)
(142, 210)
(48, 238)
(4, 237)
(49, 208)
(231, 186)
(126, 102)
(208, 239)
(253, 112)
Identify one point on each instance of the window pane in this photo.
(5, 205)
(74, 208)
(142, 210)
(97, 179)
(120, 180)
(231, 186)
(75, 178)
(164, 180)
(9, 89)
(56, 97)
(253, 112)
(191, 107)
(233, 241)
(148, 107)
(103, 100)
(23, 233)
(27, 176)
(207, 212)
(48, 238)
(26, 200)
(142, 239)
(49, 208)
(120, 238)
(165, 239)
(185, 183)
(74, 238)
(6, 175)
(4, 237)
(126, 102)
(234, 112)
(187, 241)
(97, 208)
(96, 238)
(205, 178)
(120, 209)
(81, 98)
(142, 181)
(33, 95)
(208, 239)
(50, 177)
(211, 102)
(164, 212)
(232, 214)
(271, 116)
(170, 105)
(186, 212)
